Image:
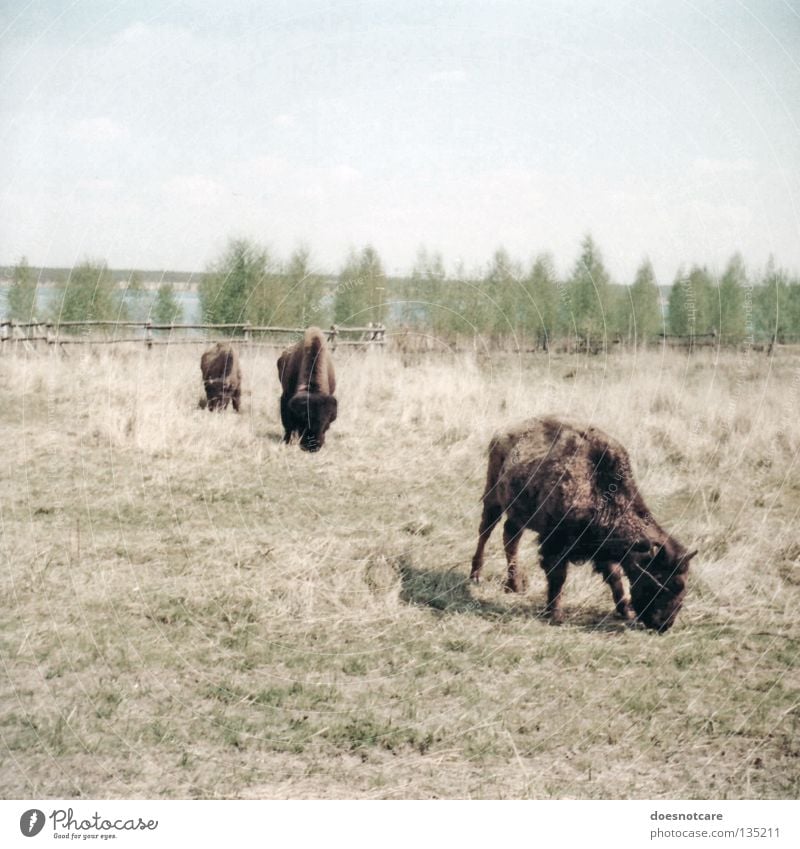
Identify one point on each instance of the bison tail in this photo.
(498, 450)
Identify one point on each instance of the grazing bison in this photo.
(573, 485)
(222, 377)
(308, 407)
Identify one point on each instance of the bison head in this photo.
(658, 583)
(313, 414)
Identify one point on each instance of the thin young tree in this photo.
(361, 291)
(733, 321)
(541, 306)
(423, 293)
(304, 290)
(166, 308)
(239, 286)
(589, 292)
(691, 303)
(22, 293)
(504, 297)
(88, 294)
(642, 320)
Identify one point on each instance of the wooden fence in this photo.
(693, 342)
(30, 334)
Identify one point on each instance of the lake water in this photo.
(138, 304)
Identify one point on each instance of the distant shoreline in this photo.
(182, 281)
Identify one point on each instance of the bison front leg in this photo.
(236, 399)
(516, 582)
(612, 575)
(286, 420)
(555, 567)
(491, 516)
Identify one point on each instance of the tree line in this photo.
(503, 302)
(88, 292)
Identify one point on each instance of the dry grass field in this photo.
(193, 610)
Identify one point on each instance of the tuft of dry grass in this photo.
(191, 609)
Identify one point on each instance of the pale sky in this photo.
(148, 132)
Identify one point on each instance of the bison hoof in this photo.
(516, 584)
(556, 617)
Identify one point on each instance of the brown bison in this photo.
(308, 407)
(573, 485)
(222, 377)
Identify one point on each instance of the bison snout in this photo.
(656, 623)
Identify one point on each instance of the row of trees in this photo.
(89, 293)
(247, 284)
(502, 301)
(506, 300)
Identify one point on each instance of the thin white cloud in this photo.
(284, 120)
(726, 167)
(96, 130)
(135, 33)
(96, 185)
(194, 190)
(345, 174)
(451, 75)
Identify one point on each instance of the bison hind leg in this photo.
(491, 516)
(516, 581)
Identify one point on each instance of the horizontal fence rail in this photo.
(28, 333)
(59, 335)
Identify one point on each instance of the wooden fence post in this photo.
(148, 334)
(333, 333)
(246, 332)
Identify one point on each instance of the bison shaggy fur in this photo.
(308, 381)
(573, 485)
(222, 377)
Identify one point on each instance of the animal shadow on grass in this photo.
(450, 591)
(273, 436)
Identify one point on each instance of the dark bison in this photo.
(222, 377)
(308, 407)
(573, 485)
